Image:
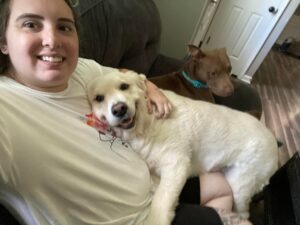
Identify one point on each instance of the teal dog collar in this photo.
(195, 83)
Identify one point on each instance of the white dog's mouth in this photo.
(127, 123)
(126, 119)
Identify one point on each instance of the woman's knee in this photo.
(214, 185)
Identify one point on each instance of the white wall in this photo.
(179, 18)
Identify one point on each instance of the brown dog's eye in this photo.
(212, 74)
(124, 86)
(99, 98)
(229, 69)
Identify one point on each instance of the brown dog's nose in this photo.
(119, 109)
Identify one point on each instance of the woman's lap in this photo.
(189, 211)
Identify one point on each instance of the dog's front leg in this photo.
(173, 178)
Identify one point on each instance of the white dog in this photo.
(198, 137)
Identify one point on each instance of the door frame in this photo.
(268, 43)
(205, 19)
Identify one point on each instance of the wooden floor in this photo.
(278, 82)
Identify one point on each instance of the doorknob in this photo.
(273, 10)
(214, 1)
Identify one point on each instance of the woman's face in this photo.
(42, 43)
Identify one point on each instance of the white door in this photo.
(242, 26)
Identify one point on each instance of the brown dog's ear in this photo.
(224, 50)
(195, 51)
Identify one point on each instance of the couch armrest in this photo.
(244, 98)
(14, 210)
(6, 217)
(164, 65)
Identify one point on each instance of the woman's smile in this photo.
(51, 59)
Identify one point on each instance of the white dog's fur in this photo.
(198, 137)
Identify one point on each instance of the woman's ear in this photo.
(3, 48)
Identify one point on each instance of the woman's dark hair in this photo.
(4, 17)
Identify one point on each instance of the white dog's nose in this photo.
(119, 109)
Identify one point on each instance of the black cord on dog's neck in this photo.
(111, 140)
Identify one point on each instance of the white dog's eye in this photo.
(99, 98)
(124, 86)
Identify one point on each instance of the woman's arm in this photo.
(157, 102)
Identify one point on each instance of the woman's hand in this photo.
(157, 102)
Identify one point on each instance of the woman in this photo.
(48, 154)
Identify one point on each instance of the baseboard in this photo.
(247, 78)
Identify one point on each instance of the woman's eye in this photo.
(30, 25)
(65, 28)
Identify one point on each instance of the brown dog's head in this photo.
(212, 67)
(115, 98)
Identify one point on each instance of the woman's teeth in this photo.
(51, 58)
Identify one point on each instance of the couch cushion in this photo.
(123, 33)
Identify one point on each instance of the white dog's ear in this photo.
(91, 86)
(141, 81)
(123, 70)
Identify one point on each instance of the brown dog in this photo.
(203, 74)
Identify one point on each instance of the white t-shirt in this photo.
(58, 164)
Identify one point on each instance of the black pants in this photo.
(189, 211)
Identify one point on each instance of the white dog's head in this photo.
(115, 97)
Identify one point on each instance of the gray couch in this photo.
(126, 34)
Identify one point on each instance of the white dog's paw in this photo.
(244, 215)
(232, 218)
(242, 208)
